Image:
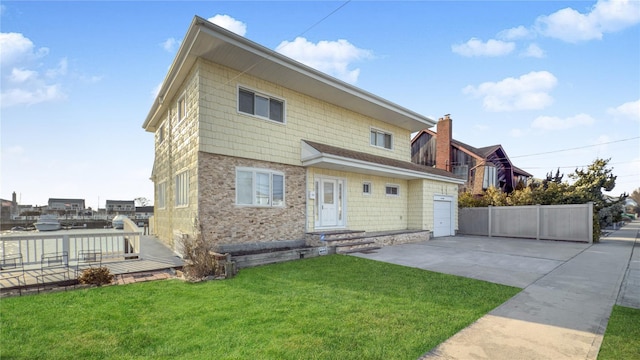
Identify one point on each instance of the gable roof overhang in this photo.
(335, 158)
(211, 42)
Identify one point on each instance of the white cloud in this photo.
(18, 49)
(491, 48)
(605, 16)
(515, 33)
(556, 123)
(528, 92)
(331, 57)
(533, 50)
(25, 81)
(170, 45)
(60, 70)
(516, 133)
(629, 110)
(230, 24)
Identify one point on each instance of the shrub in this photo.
(200, 261)
(96, 276)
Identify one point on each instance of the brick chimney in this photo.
(443, 143)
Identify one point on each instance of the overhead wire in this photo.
(575, 148)
(273, 52)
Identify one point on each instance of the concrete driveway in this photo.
(506, 261)
(569, 290)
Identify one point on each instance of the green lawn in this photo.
(622, 338)
(330, 307)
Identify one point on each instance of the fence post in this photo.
(489, 227)
(538, 222)
(65, 244)
(590, 221)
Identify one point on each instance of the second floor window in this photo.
(381, 139)
(260, 105)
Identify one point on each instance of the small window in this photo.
(366, 188)
(263, 106)
(392, 190)
(259, 187)
(182, 108)
(381, 139)
(182, 189)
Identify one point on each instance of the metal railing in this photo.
(112, 244)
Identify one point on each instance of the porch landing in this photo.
(344, 241)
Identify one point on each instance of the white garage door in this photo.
(442, 218)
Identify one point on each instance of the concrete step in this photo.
(366, 250)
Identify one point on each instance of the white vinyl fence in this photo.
(548, 222)
(112, 244)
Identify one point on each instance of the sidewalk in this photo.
(562, 315)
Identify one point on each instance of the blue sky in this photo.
(78, 79)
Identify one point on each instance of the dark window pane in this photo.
(245, 99)
(275, 110)
(387, 141)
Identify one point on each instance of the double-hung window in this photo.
(259, 187)
(182, 188)
(264, 106)
(381, 139)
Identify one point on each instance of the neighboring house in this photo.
(481, 168)
(66, 206)
(121, 207)
(255, 147)
(144, 212)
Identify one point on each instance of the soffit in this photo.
(218, 45)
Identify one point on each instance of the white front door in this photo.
(330, 202)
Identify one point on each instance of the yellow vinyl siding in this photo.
(178, 152)
(374, 212)
(225, 131)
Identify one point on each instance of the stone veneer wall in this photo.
(224, 222)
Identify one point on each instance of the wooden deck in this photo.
(160, 264)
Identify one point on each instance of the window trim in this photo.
(254, 172)
(380, 131)
(370, 190)
(390, 186)
(264, 95)
(179, 193)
